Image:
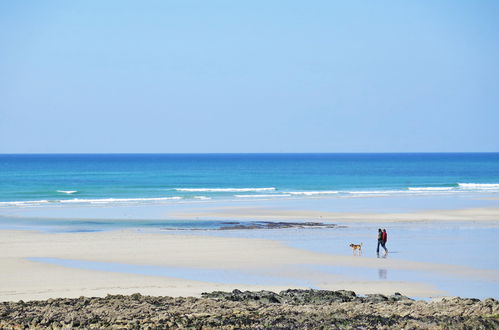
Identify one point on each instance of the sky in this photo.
(249, 76)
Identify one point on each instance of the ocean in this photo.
(82, 179)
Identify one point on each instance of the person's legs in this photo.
(384, 247)
(377, 249)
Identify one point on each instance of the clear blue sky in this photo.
(249, 76)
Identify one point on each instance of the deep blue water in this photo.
(137, 178)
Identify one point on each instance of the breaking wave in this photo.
(430, 188)
(202, 197)
(224, 189)
(119, 200)
(23, 203)
(312, 193)
(255, 193)
(87, 201)
(262, 196)
(479, 186)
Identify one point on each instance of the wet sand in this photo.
(25, 278)
(471, 214)
(152, 261)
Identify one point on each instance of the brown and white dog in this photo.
(356, 248)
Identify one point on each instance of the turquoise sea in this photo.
(34, 179)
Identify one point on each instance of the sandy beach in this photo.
(469, 214)
(33, 263)
(193, 252)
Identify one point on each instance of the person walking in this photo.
(384, 238)
(381, 242)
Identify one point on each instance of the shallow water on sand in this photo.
(468, 243)
(457, 243)
(452, 243)
(225, 276)
(168, 210)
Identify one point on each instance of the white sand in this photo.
(24, 279)
(472, 214)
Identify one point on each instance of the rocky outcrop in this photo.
(302, 297)
(276, 225)
(304, 309)
(236, 225)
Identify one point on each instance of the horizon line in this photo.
(248, 153)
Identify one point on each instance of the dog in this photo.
(356, 248)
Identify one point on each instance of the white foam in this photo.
(262, 196)
(202, 197)
(118, 200)
(25, 203)
(224, 189)
(377, 192)
(312, 193)
(67, 191)
(430, 188)
(479, 186)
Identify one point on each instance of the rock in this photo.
(237, 295)
(375, 298)
(136, 296)
(308, 309)
(398, 297)
(316, 296)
